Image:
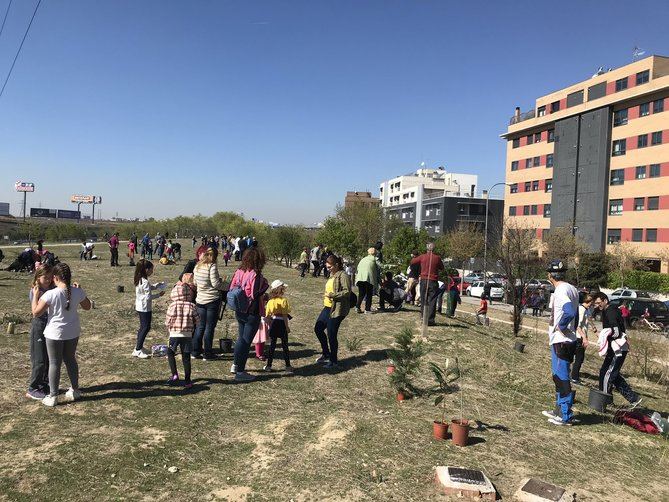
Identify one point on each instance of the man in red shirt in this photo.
(113, 247)
(430, 266)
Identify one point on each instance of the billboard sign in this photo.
(24, 186)
(41, 212)
(4, 208)
(67, 214)
(83, 199)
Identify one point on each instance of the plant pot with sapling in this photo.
(444, 378)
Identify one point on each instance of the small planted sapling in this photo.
(444, 378)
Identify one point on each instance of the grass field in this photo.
(313, 435)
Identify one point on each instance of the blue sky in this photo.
(276, 108)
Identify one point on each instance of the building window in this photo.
(528, 163)
(514, 165)
(527, 186)
(547, 210)
(644, 109)
(516, 142)
(615, 207)
(657, 138)
(637, 234)
(617, 177)
(526, 210)
(534, 209)
(654, 171)
(642, 77)
(551, 135)
(514, 188)
(639, 204)
(658, 105)
(549, 185)
(530, 139)
(537, 161)
(621, 84)
(549, 160)
(612, 235)
(642, 141)
(640, 173)
(535, 185)
(620, 118)
(555, 106)
(651, 235)
(537, 137)
(512, 210)
(541, 111)
(619, 147)
(653, 203)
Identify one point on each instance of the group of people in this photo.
(230, 246)
(568, 338)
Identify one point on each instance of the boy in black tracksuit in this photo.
(609, 374)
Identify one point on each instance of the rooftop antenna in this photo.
(637, 52)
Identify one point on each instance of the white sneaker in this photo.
(72, 395)
(551, 415)
(140, 354)
(50, 401)
(233, 369)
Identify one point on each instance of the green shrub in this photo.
(640, 279)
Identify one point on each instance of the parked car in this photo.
(627, 294)
(499, 278)
(540, 283)
(472, 278)
(477, 289)
(657, 310)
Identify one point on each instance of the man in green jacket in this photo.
(369, 269)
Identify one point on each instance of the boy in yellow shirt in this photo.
(278, 310)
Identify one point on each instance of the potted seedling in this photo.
(444, 378)
(460, 426)
(406, 358)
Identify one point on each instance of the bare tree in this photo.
(624, 256)
(518, 256)
(464, 243)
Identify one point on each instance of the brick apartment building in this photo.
(360, 199)
(594, 157)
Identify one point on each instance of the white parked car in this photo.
(477, 288)
(628, 294)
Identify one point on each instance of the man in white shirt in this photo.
(562, 338)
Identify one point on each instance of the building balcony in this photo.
(522, 117)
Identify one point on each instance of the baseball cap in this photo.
(556, 266)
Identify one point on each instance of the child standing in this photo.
(181, 319)
(278, 310)
(482, 312)
(62, 330)
(38, 386)
(226, 256)
(131, 253)
(143, 301)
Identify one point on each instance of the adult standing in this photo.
(315, 257)
(616, 351)
(243, 245)
(562, 340)
(453, 299)
(430, 266)
(325, 254)
(113, 248)
(248, 277)
(367, 280)
(413, 273)
(208, 302)
(133, 239)
(379, 251)
(304, 262)
(336, 306)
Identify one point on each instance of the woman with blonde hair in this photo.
(208, 302)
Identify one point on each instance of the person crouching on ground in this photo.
(278, 311)
(181, 319)
(388, 293)
(562, 340)
(614, 347)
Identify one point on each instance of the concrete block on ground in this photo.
(535, 490)
(465, 483)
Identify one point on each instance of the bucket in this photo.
(519, 347)
(225, 344)
(10, 328)
(598, 400)
(120, 289)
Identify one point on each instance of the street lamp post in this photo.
(485, 238)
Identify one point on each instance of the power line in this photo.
(9, 74)
(5, 18)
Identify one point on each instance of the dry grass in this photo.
(310, 436)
